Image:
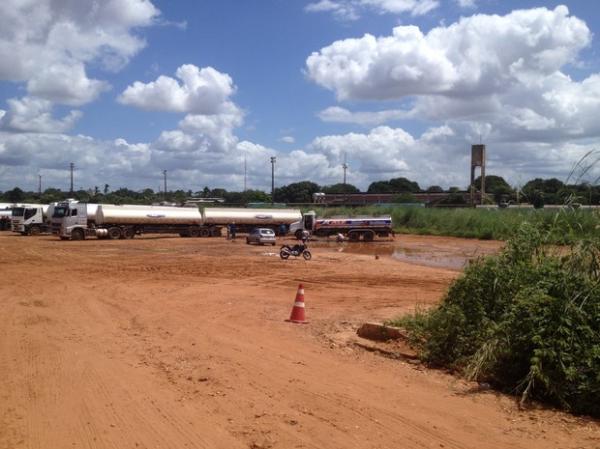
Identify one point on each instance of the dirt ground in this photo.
(166, 342)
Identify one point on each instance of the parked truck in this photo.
(32, 219)
(5, 214)
(76, 221)
(354, 228)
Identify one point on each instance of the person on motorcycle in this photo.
(298, 248)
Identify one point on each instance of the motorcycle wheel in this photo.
(284, 254)
(307, 255)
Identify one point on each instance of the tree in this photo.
(15, 195)
(106, 187)
(496, 185)
(395, 185)
(434, 189)
(298, 192)
(340, 188)
(550, 188)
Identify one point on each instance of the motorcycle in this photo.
(297, 250)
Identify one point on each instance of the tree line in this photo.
(537, 191)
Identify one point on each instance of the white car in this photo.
(261, 236)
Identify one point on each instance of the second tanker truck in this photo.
(75, 222)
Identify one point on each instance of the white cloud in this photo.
(31, 114)
(467, 4)
(478, 54)
(351, 9)
(503, 73)
(338, 114)
(47, 43)
(202, 91)
(288, 139)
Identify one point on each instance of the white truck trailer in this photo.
(75, 221)
(355, 228)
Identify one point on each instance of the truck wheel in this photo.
(204, 233)
(368, 236)
(354, 236)
(114, 233)
(35, 230)
(77, 234)
(194, 233)
(128, 233)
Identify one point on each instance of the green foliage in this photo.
(298, 192)
(395, 185)
(527, 321)
(405, 198)
(340, 188)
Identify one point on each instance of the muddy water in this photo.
(438, 252)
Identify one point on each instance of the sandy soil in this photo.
(182, 343)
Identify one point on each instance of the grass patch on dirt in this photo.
(526, 320)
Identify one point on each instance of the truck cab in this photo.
(69, 216)
(307, 223)
(30, 219)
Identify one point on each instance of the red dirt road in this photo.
(181, 343)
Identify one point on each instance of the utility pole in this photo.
(72, 167)
(165, 183)
(345, 167)
(273, 160)
(245, 172)
(40, 185)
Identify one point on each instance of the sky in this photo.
(210, 90)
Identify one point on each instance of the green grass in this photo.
(527, 321)
(565, 225)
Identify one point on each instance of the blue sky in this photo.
(397, 87)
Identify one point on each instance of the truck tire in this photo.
(128, 233)
(77, 234)
(204, 233)
(368, 236)
(114, 233)
(194, 232)
(35, 230)
(354, 236)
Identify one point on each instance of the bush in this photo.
(527, 321)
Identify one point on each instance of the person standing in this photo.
(233, 230)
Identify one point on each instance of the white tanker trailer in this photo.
(246, 219)
(126, 221)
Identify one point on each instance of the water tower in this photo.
(477, 160)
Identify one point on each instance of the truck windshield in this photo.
(30, 213)
(60, 211)
(18, 211)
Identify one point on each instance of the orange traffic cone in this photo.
(297, 315)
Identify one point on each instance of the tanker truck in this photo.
(105, 221)
(126, 221)
(32, 219)
(5, 215)
(355, 228)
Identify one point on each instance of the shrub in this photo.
(527, 321)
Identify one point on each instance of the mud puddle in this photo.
(431, 255)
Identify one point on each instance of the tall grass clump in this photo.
(527, 321)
